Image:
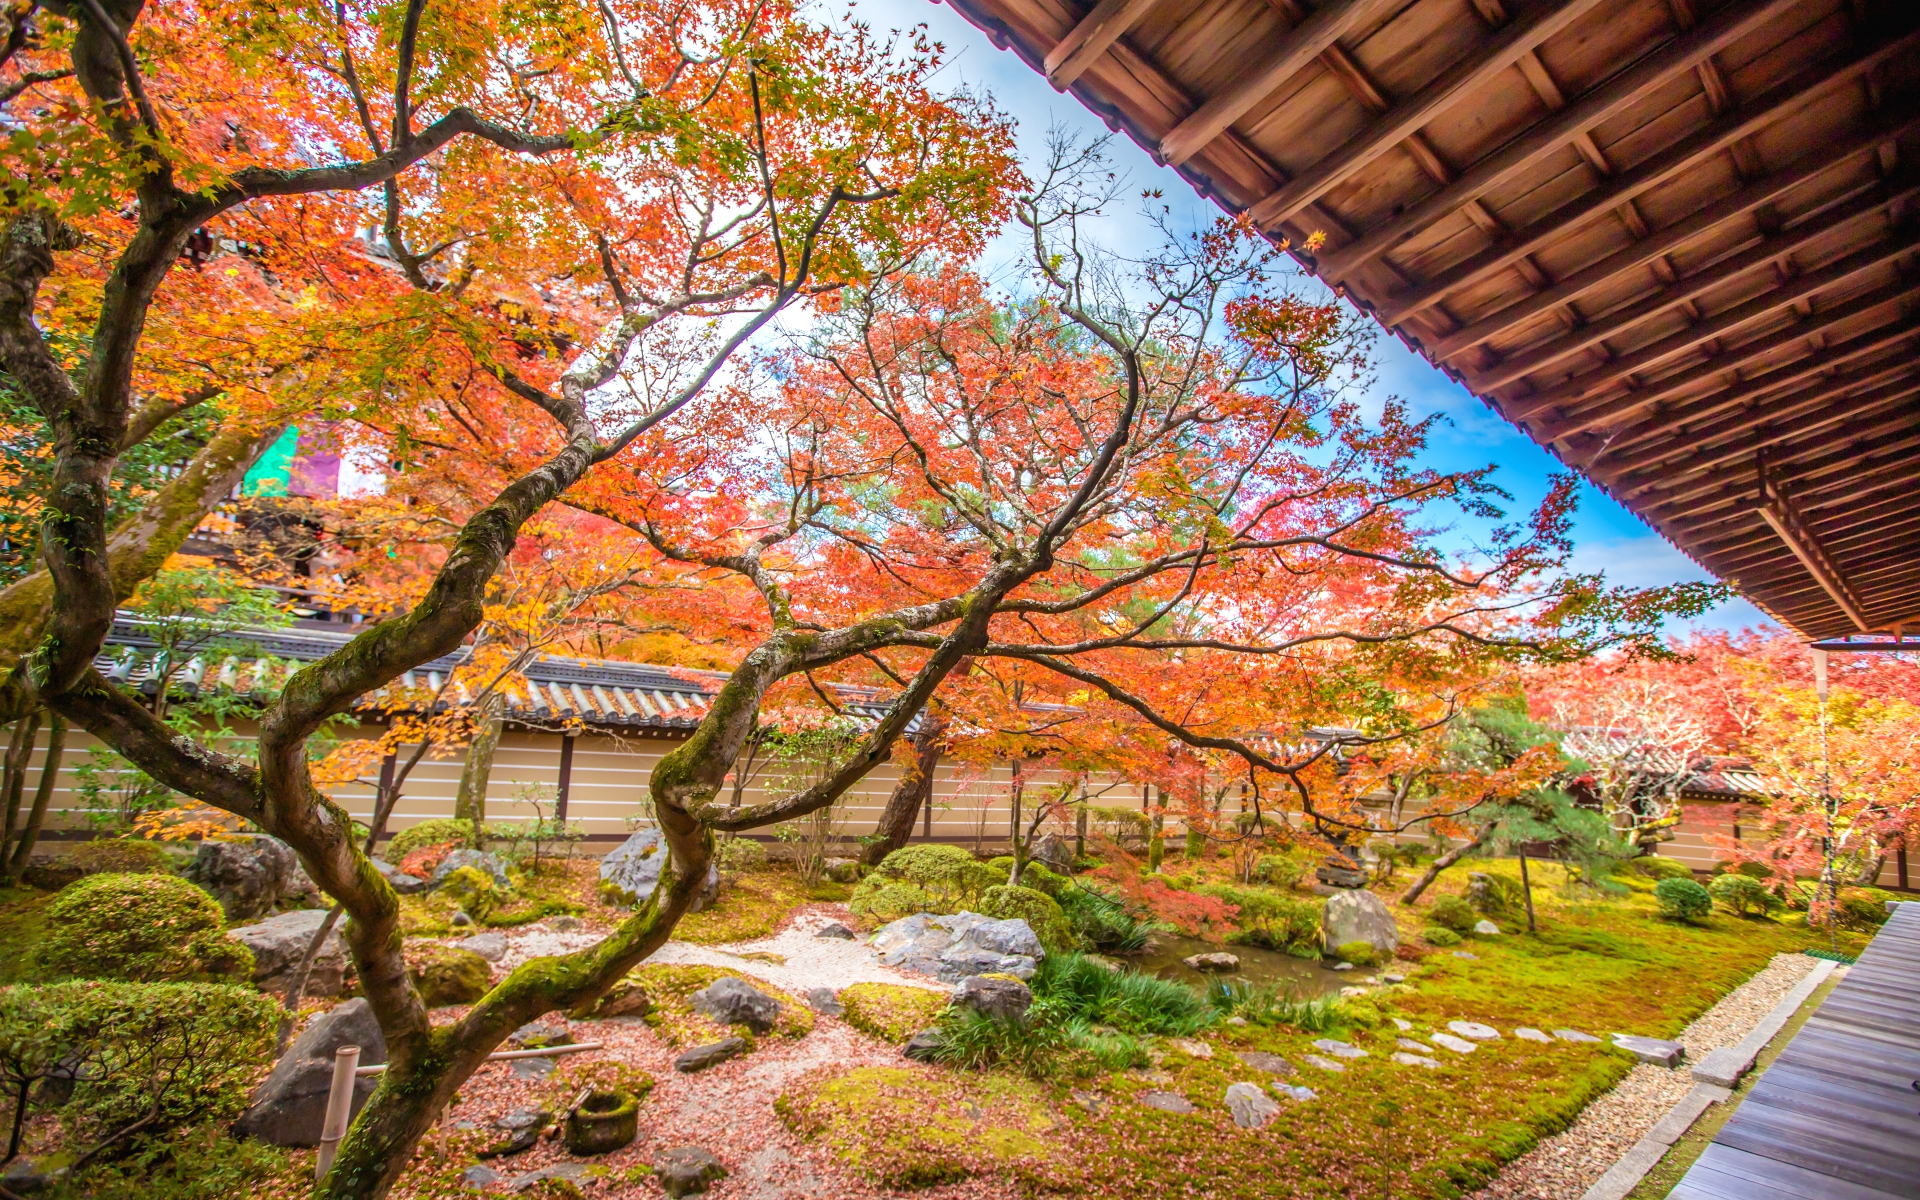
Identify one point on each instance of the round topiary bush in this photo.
(741, 854)
(943, 879)
(428, 833)
(1453, 912)
(1040, 911)
(139, 928)
(889, 901)
(1744, 896)
(1683, 900)
(1439, 935)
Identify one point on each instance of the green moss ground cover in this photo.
(670, 986)
(891, 1012)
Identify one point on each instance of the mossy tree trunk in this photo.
(470, 803)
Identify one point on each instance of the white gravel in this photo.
(1564, 1166)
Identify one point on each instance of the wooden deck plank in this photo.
(1723, 1173)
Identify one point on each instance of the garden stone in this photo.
(482, 860)
(1393, 978)
(1338, 1049)
(1354, 915)
(1302, 1094)
(923, 1046)
(1416, 1047)
(1403, 1025)
(710, 1055)
(1260, 1060)
(1531, 1035)
(564, 924)
(1480, 891)
(731, 1001)
(834, 929)
(625, 998)
(279, 943)
(523, 1128)
(29, 1177)
(566, 1170)
(480, 1177)
(400, 881)
(490, 946)
(1574, 1035)
(1238, 1021)
(1474, 1030)
(823, 1001)
(1470, 957)
(841, 870)
(1055, 853)
(533, 1068)
(1191, 1048)
(629, 873)
(1214, 963)
(1093, 1102)
(601, 1122)
(687, 1170)
(460, 919)
(1486, 928)
(287, 1110)
(1325, 1064)
(540, 1033)
(1356, 990)
(1250, 1105)
(950, 948)
(248, 875)
(1345, 966)
(1658, 1051)
(449, 975)
(1457, 1045)
(1005, 999)
(1415, 1060)
(1167, 1102)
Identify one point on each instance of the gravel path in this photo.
(1564, 1166)
(811, 961)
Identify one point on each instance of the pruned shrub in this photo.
(1269, 920)
(892, 1012)
(741, 854)
(890, 902)
(56, 866)
(430, 833)
(947, 877)
(1744, 896)
(1040, 879)
(1683, 900)
(139, 928)
(1452, 912)
(1863, 909)
(1278, 870)
(1039, 910)
(1655, 867)
(1439, 935)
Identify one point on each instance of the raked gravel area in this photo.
(1564, 1166)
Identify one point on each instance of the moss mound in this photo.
(60, 865)
(670, 986)
(926, 878)
(448, 974)
(891, 1012)
(139, 928)
(1039, 910)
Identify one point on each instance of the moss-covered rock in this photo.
(889, 1011)
(439, 831)
(1360, 954)
(448, 974)
(670, 986)
(473, 890)
(141, 928)
(1039, 910)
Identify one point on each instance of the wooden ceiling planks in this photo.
(1674, 241)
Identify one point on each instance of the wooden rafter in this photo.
(1777, 509)
(1087, 41)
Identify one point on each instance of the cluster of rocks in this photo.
(951, 948)
(288, 1109)
(729, 1001)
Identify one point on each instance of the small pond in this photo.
(1260, 967)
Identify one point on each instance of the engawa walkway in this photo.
(1837, 1115)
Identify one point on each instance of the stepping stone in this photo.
(1169, 1102)
(1486, 928)
(1467, 956)
(1474, 1030)
(1658, 1051)
(532, 1068)
(1403, 1025)
(688, 1171)
(1416, 1047)
(566, 1170)
(1395, 978)
(1343, 966)
(1250, 1105)
(1457, 1045)
(1093, 1102)
(823, 1001)
(1532, 1035)
(1356, 990)
(711, 1055)
(1414, 1060)
(1338, 1049)
(479, 1177)
(1574, 1035)
(1325, 1064)
(1302, 1094)
(1260, 1060)
(1191, 1048)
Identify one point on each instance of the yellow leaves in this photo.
(190, 821)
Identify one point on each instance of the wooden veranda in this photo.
(1671, 240)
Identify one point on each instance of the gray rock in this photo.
(1302, 1094)
(1006, 999)
(1093, 1102)
(1531, 1035)
(564, 924)
(29, 1177)
(688, 1171)
(1480, 891)
(631, 871)
(922, 1046)
(1343, 966)
(485, 861)
(823, 1001)
(1250, 1105)
(834, 929)
(1486, 928)
(401, 882)
(1474, 1030)
(1574, 1035)
(460, 919)
(540, 1033)
(1260, 1060)
(1354, 915)
(841, 870)
(479, 1177)
(565, 1170)
(279, 943)
(1403, 1025)
(1458, 1045)
(1167, 1102)
(1466, 955)
(522, 1128)
(533, 1068)
(1338, 1049)
(1055, 853)
(249, 875)
(1393, 977)
(1659, 1052)
(950, 948)
(1324, 1064)
(1414, 1060)
(1212, 963)
(732, 1001)
(491, 945)
(1415, 1047)
(287, 1110)
(710, 1055)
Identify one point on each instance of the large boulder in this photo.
(733, 1001)
(483, 860)
(1055, 853)
(630, 872)
(1359, 916)
(249, 875)
(287, 1110)
(279, 943)
(950, 948)
(995, 996)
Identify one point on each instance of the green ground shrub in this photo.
(1101, 922)
(1452, 912)
(1360, 954)
(139, 928)
(202, 1162)
(1039, 910)
(56, 865)
(1683, 900)
(949, 879)
(1744, 896)
(1498, 896)
(1127, 1000)
(436, 832)
(1267, 918)
(890, 901)
(1267, 1004)
(892, 1012)
(1863, 909)
(473, 890)
(1278, 870)
(1655, 867)
(741, 854)
(1439, 935)
(1040, 879)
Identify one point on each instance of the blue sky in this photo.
(1608, 537)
